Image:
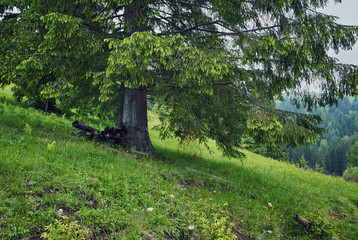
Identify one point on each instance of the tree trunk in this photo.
(134, 120)
(132, 112)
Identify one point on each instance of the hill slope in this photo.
(47, 174)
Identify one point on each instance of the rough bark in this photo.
(135, 121)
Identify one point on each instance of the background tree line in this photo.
(335, 150)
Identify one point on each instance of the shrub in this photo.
(322, 227)
(351, 174)
(64, 230)
(303, 162)
(213, 222)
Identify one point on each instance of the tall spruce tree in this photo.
(215, 66)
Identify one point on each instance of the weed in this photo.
(321, 226)
(211, 222)
(16, 233)
(28, 129)
(65, 230)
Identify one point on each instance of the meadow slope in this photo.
(50, 176)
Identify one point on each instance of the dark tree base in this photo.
(118, 135)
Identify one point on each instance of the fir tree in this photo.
(215, 66)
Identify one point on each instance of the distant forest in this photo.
(334, 149)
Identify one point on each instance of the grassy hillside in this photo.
(49, 177)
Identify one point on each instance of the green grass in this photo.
(43, 168)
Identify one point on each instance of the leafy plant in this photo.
(303, 162)
(318, 168)
(212, 222)
(51, 146)
(28, 129)
(321, 226)
(17, 232)
(65, 230)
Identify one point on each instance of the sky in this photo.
(347, 11)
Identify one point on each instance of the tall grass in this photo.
(188, 193)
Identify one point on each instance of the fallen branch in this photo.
(112, 134)
(302, 221)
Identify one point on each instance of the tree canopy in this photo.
(214, 67)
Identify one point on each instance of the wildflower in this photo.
(171, 195)
(191, 227)
(163, 192)
(264, 206)
(270, 204)
(150, 209)
(269, 231)
(214, 191)
(60, 212)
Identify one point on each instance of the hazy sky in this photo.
(347, 11)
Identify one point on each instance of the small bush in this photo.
(213, 222)
(351, 174)
(303, 162)
(64, 230)
(322, 227)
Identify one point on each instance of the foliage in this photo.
(16, 232)
(213, 222)
(64, 230)
(303, 162)
(351, 174)
(216, 66)
(318, 168)
(28, 129)
(321, 226)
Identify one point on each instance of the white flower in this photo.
(150, 209)
(270, 204)
(60, 212)
(163, 192)
(269, 231)
(191, 227)
(171, 195)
